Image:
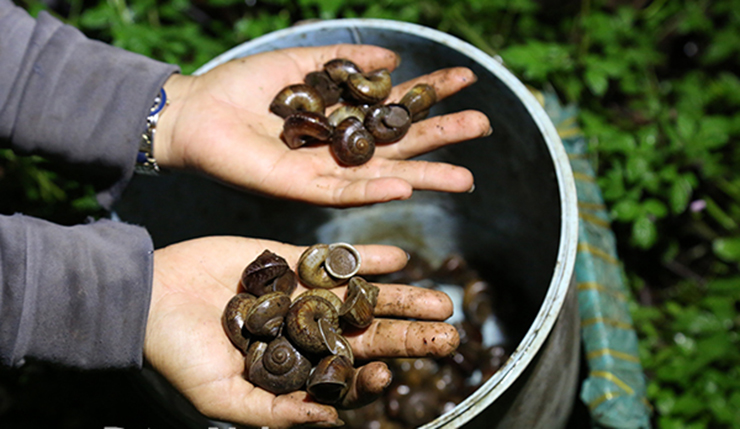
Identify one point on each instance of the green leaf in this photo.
(596, 80)
(680, 195)
(727, 248)
(644, 232)
(655, 208)
(626, 210)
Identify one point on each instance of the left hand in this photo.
(219, 124)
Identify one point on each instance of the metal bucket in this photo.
(520, 224)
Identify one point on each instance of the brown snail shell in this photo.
(233, 319)
(330, 379)
(339, 69)
(369, 88)
(359, 306)
(419, 100)
(303, 127)
(388, 122)
(302, 323)
(477, 301)
(326, 294)
(352, 143)
(278, 367)
(268, 273)
(335, 342)
(265, 317)
(327, 266)
(329, 90)
(346, 111)
(297, 98)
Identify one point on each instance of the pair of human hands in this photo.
(218, 124)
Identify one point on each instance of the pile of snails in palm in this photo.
(292, 345)
(354, 128)
(424, 388)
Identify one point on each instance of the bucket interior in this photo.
(510, 228)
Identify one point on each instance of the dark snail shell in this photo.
(302, 323)
(388, 122)
(279, 367)
(265, 317)
(339, 69)
(327, 266)
(233, 319)
(297, 98)
(359, 306)
(369, 88)
(330, 379)
(329, 90)
(346, 111)
(303, 127)
(342, 261)
(352, 143)
(268, 273)
(419, 100)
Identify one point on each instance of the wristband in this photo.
(145, 162)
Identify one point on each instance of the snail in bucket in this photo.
(353, 129)
(298, 344)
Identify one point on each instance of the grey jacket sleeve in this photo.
(78, 295)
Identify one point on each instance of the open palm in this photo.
(219, 124)
(186, 343)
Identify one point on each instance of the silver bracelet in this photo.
(145, 162)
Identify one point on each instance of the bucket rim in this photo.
(552, 303)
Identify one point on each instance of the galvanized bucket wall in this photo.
(520, 224)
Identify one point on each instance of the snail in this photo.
(303, 327)
(268, 273)
(326, 294)
(352, 143)
(233, 319)
(302, 127)
(295, 98)
(388, 122)
(477, 301)
(369, 88)
(326, 87)
(327, 266)
(330, 379)
(346, 111)
(339, 69)
(357, 309)
(336, 343)
(265, 316)
(419, 100)
(277, 367)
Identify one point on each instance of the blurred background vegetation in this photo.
(658, 91)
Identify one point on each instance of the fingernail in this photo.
(398, 59)
(408, 256)
(472, 188)
(488, 132)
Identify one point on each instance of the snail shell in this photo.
(388, 122)
(419, 100)
(339, 69)
(265, 317)
(329, 90)
(369, 88)
(326, 294)
(278, 367)
(352, 143)
(295, 98)
(335, 342)
(233, 319)
(327, 266)
(302, 323)
(344, 112)
(359, 306)
(477, 301)
(303, 127)
(330, 379)
(268, 273)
